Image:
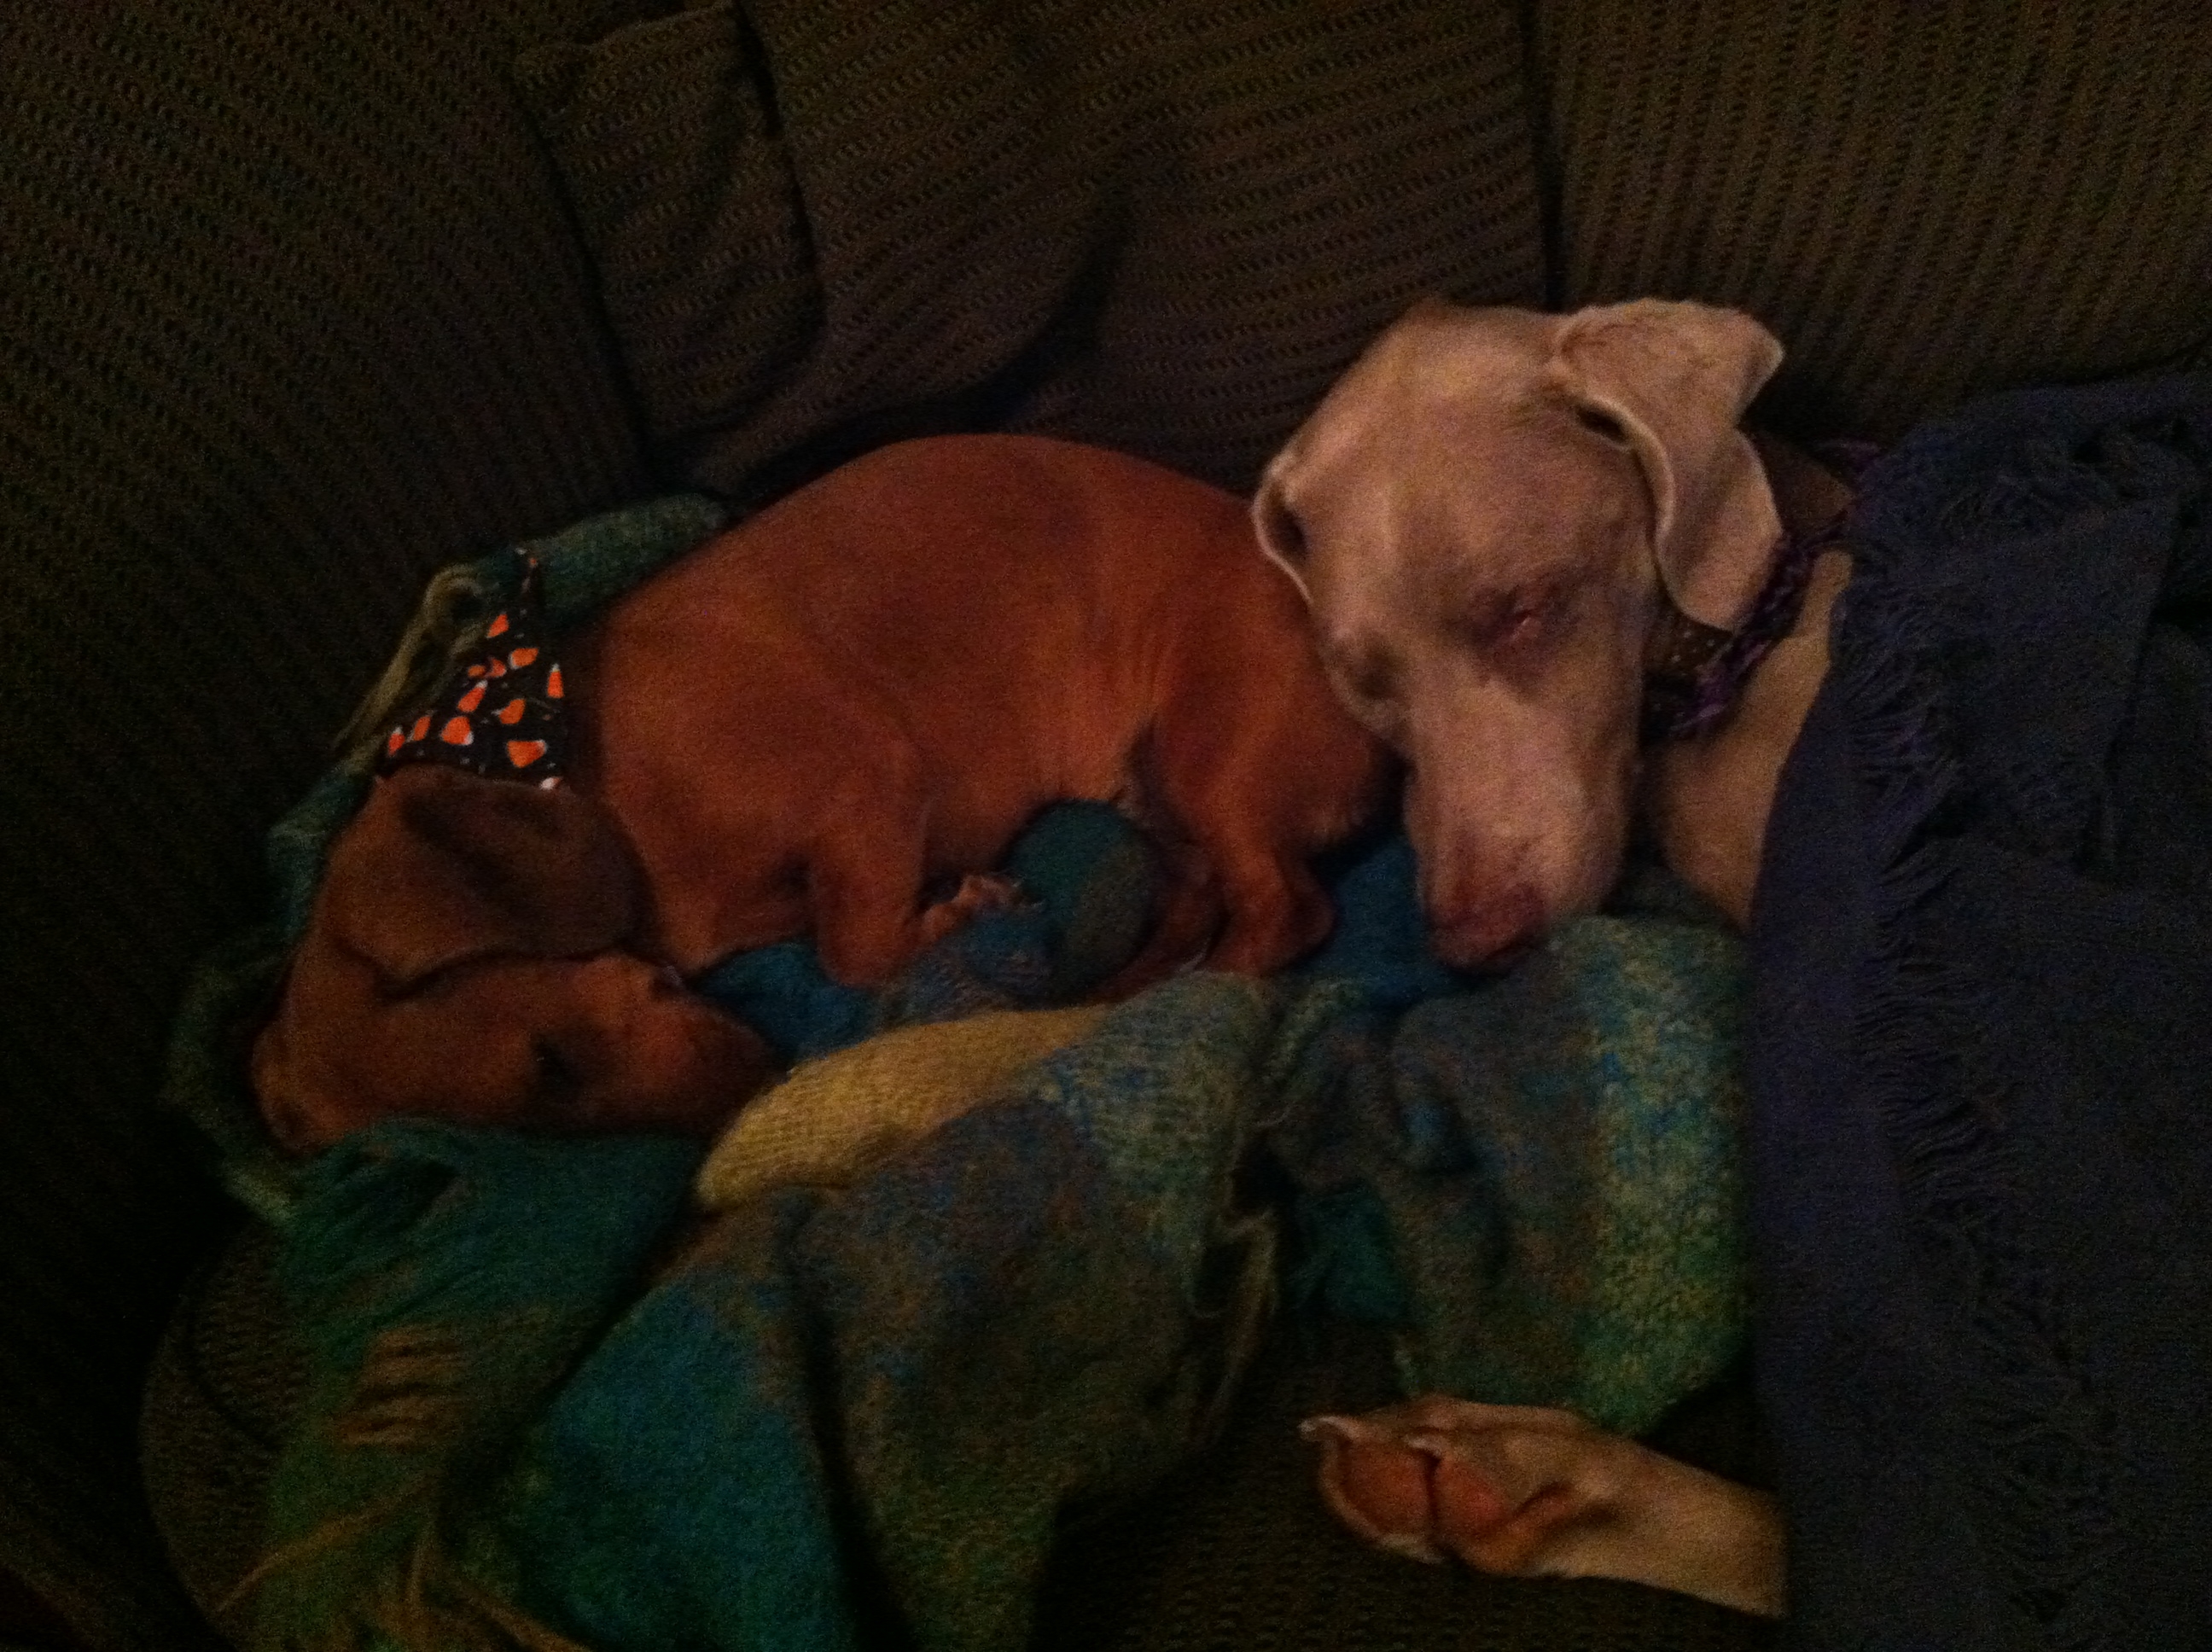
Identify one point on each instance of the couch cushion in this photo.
(290, 314)
(1160, 227)
(1923, 202)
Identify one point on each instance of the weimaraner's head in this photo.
(1485, 515)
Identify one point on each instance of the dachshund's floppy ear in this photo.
(1674, 378)
(441, 866)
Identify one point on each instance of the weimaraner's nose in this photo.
(1493, 934)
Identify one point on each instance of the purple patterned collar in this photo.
(1693, 672)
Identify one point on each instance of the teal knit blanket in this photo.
(555, 1402)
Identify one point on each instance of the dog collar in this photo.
(1694, 673)
(501, 715)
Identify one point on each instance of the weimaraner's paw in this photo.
(1436, 1476)
(1525, 1491)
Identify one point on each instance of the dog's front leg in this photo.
(864, 879)
(1530, 1492)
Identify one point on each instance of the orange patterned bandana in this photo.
(503, 717)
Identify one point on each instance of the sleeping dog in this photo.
(800, 729)
(1544, 563)
(1515, 531)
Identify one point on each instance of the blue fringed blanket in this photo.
(1982, 1059)
(552, 1402)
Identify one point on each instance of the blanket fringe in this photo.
(428, 1604)
(2043, 1498)
(1243, 1248)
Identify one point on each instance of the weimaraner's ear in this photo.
(1676, 377)
(441, 866)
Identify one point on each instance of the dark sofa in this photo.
(298, 305)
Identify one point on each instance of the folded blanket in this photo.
(1982, 1056)
(965, 1280)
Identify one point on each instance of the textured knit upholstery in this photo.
(1923, 202)
(290, 315)
(1196, 215)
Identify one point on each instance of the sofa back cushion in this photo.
(1162, 227)
(1922, 202)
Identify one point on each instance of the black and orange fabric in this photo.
(505, 714)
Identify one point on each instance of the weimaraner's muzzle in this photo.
(1486, 514)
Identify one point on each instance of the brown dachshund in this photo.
(805, 728)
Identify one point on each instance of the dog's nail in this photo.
(1412, 1547)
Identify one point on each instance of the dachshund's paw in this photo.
(979, 892)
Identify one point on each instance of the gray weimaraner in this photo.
(1503, 522)
(1495, 516)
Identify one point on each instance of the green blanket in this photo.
(553, 1402)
